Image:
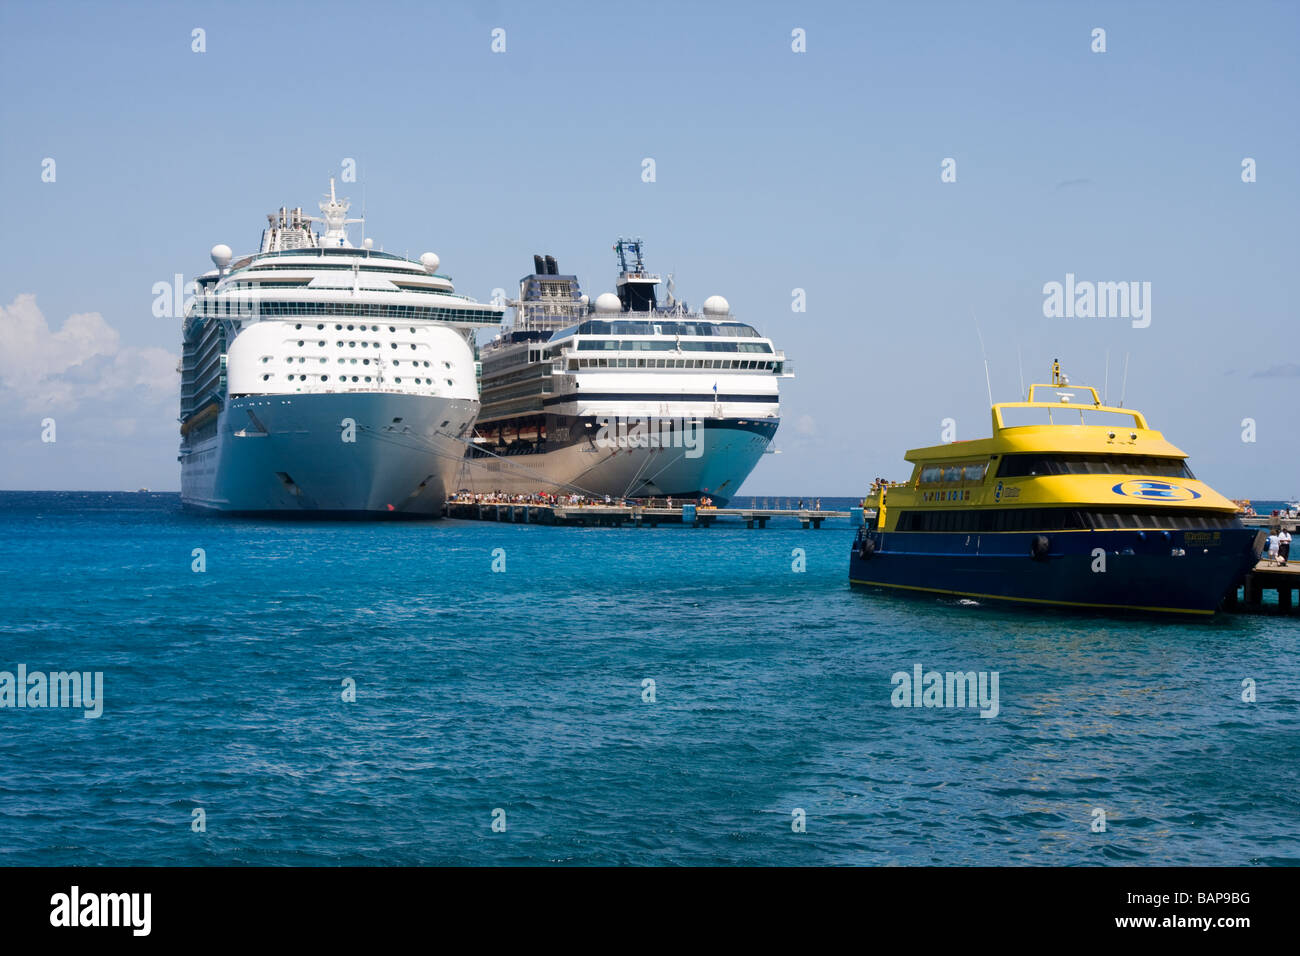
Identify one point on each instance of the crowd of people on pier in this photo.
(574, 500)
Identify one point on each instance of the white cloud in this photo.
(81, 364)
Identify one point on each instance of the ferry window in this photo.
(952, 473)
(1014, 466)
(930, 473)
(974, 472)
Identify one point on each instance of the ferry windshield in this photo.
(1017, 466)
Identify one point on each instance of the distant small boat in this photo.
(142, 491)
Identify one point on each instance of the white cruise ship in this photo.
(623, 397)
(322, 379)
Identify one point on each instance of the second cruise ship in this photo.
(624, 397)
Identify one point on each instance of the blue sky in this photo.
(775, 170)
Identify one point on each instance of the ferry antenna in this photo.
(987, 381)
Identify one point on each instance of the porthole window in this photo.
(324, 378)
(321, 343)
(365, 361)
(265, 377)
(450, 382)
(298, 326)
(354, 378)
(393, 344)
(367, 378)
(349, 328)
(318, 328)
(338, 328)
(300, 342)
(392, 328)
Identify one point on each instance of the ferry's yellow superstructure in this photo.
(1074, 511)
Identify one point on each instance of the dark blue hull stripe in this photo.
(1142, 571)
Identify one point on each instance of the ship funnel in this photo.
(539, 267)
(551, 268)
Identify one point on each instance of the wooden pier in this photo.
(1266, 576)
(637, 516)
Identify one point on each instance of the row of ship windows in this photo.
(303, 359)
(344, 378)
(951, 473)
(1021, 466)
(373, 328)
(669, 363)
(340, 343)
(632, 327)
(968, 521)
(228, 307)
(661, 345)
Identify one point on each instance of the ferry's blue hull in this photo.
(1143, 570)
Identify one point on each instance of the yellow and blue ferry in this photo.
(1070, 512)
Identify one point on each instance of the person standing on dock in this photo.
(1273, 545)
(1284, 546)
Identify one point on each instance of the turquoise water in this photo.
(522, 691)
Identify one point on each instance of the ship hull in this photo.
(286, 455)
(728, 451)
(1142, 570)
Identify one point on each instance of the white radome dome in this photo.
(430, 262)
(583, 300)
(608, 302)
(221, 255)
(367, 243)
(716, 305)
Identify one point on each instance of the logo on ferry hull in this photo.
(1155, 491)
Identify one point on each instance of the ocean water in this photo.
(519, 696)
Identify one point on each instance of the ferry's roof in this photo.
(1113, 431)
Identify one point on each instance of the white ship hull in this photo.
(289, 457)
(726, 456)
